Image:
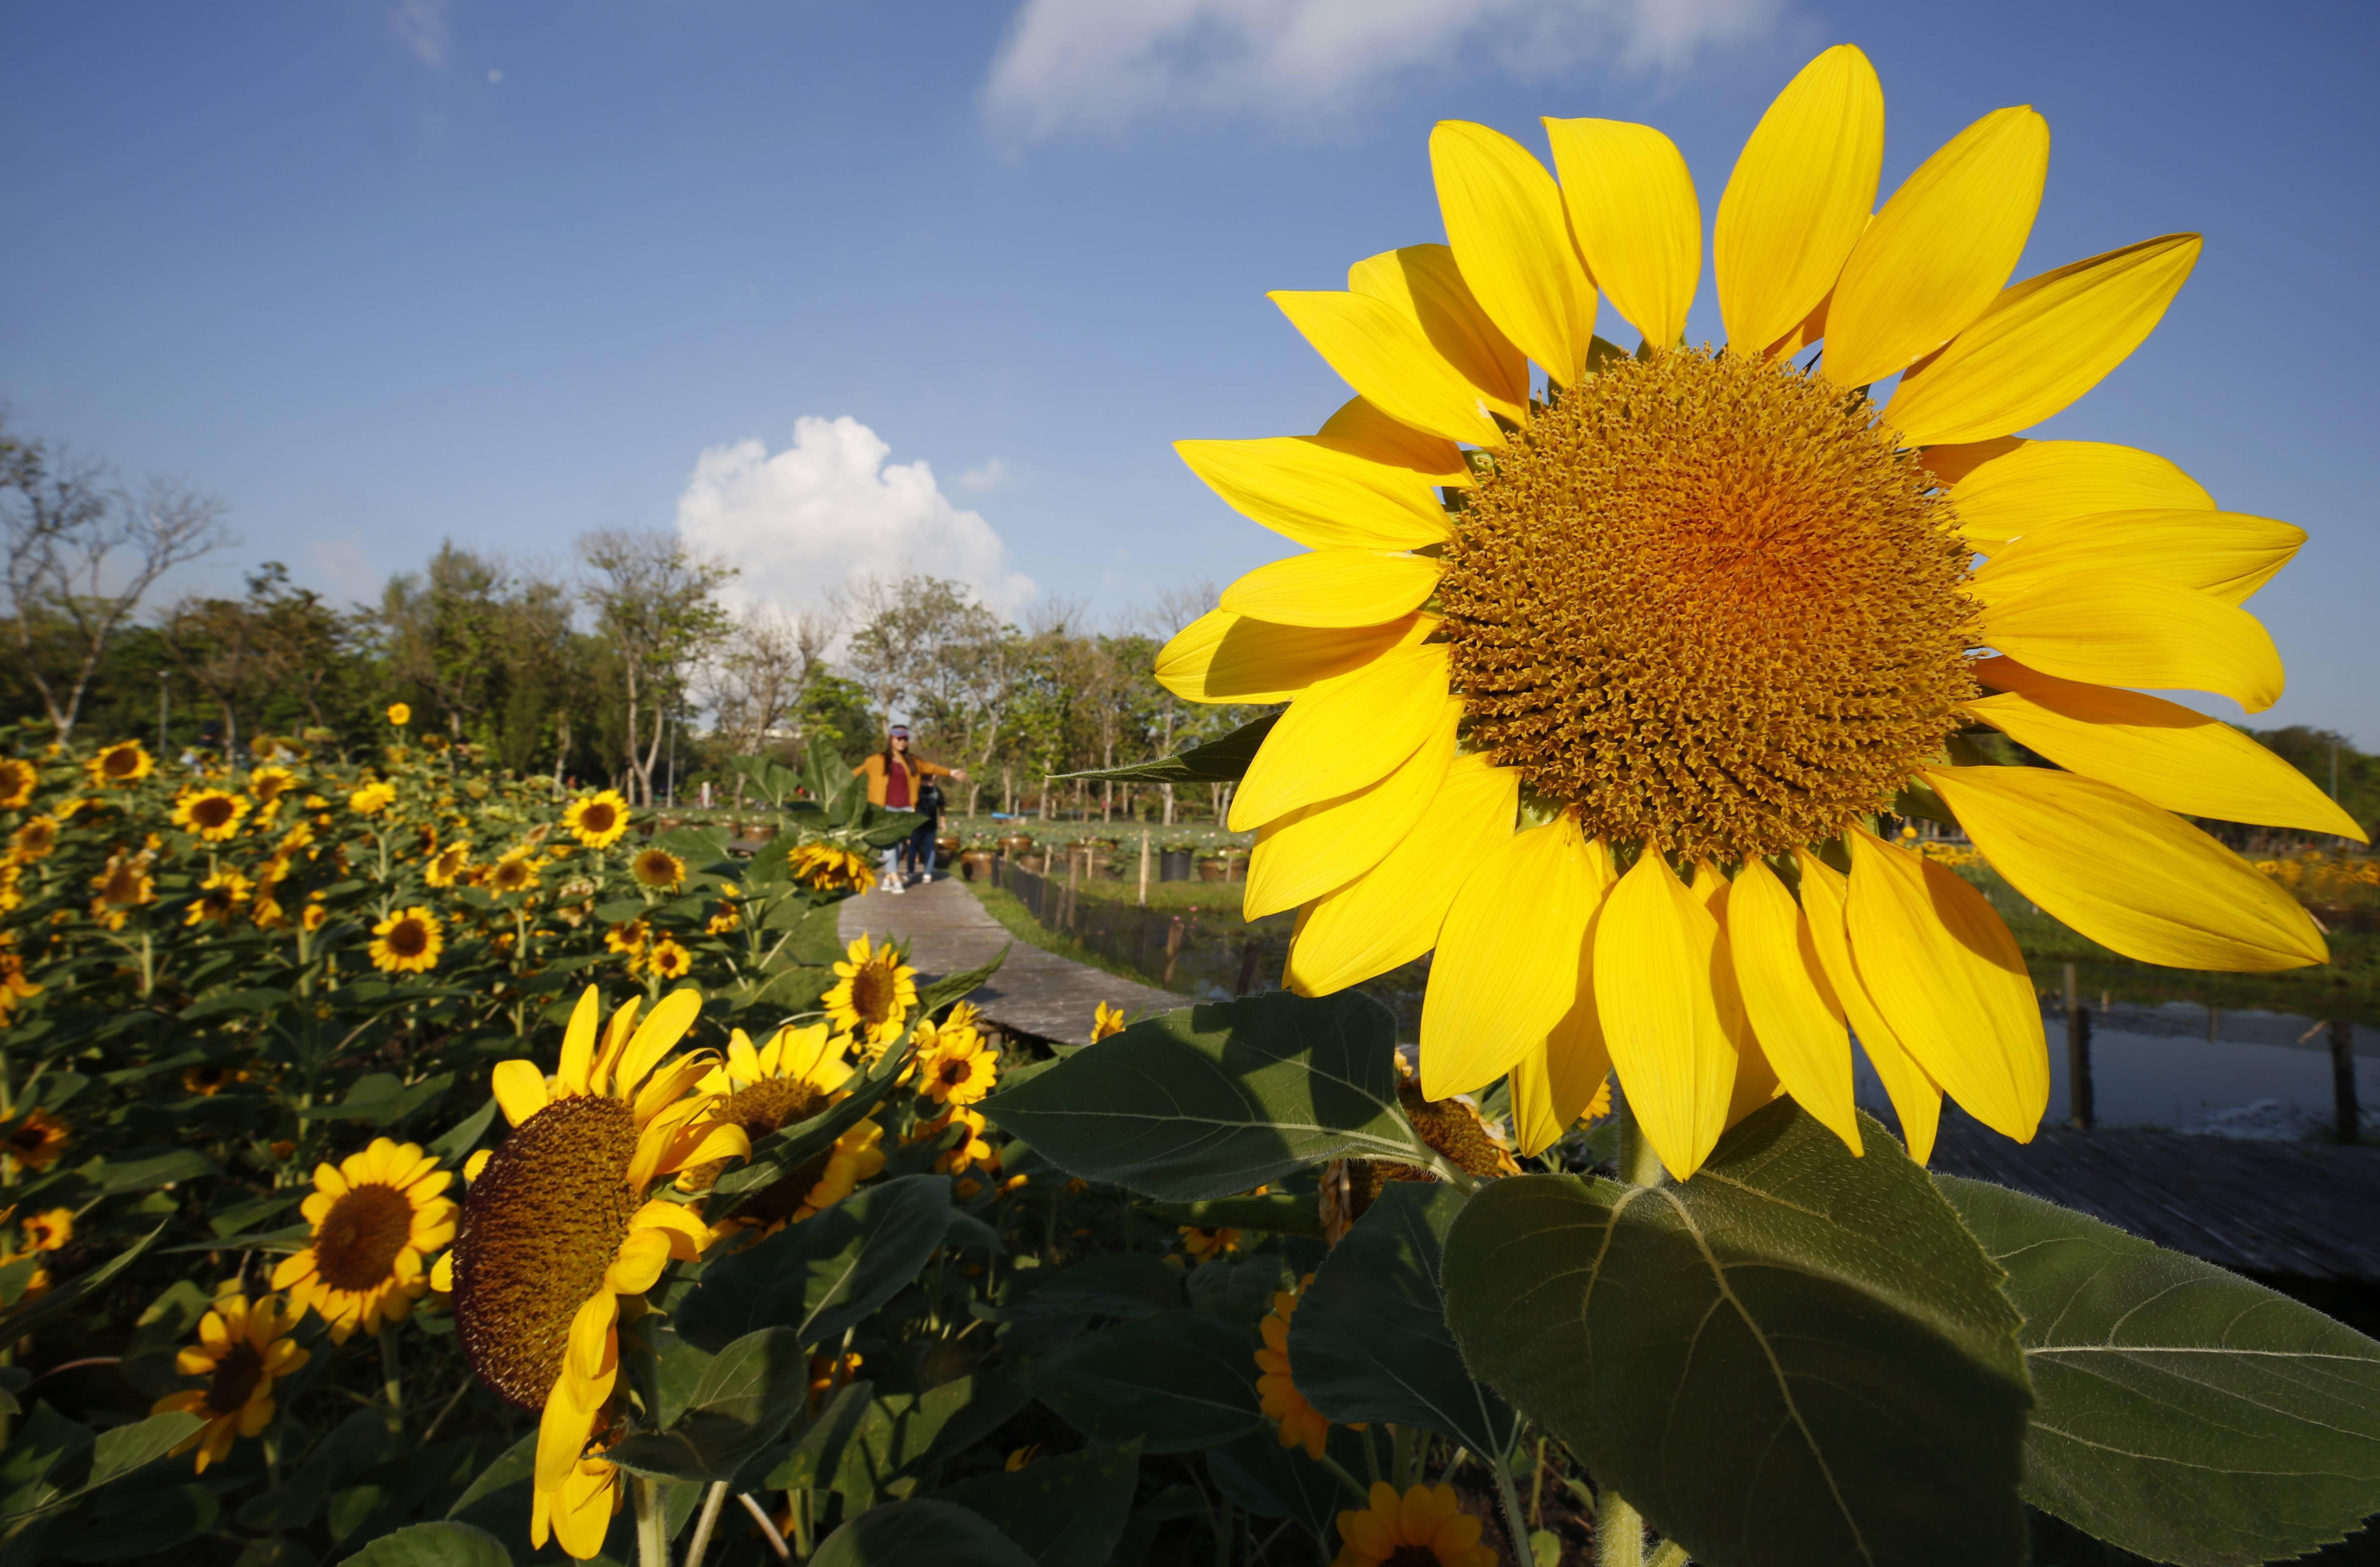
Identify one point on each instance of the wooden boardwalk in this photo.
(2311, 1210)
(1037, 994)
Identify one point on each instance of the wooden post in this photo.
(2078, 1057)
(1249, 953)
(1143, 867)
(2342, 1080)
(1173, 950)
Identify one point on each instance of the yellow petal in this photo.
(1798, 1021)
(2034, 483)
(1504, 220)
(1319, 494)
(1939, 250)
(1552, 1086)
(2042, 344)
(656, 1037)
(1334, 588)
(1916, 1102)
(579, 1042)
(1947, 975)
(637, 1267)
(1313, 849)
(519, 1089)
(1423, 282)
(1502, 980)
(1223, 657)
(1392, 913)
(1658, 950)
(1952, 461)
(1360, 429)
(1380, 352)
(2226, 554)
(1344, 733)
(1799, 198)
(2162, 751)
(1631, 201)
(2126, 874)
(743, 1061)
(2132, 631)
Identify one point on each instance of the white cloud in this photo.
(1094, 66)
(829, 509)
(423, 27)
(991, 476)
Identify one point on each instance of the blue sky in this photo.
(383, 273)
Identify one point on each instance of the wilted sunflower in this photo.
(206, 1081)
(242, 1346)
(1452, 1127)
(872, 994)
(1300, 1423)
(34, 840)
(599, 821)
(658, 868)
(1205, 1243)
(1425, 1527)
(407, 943)
(1694, 618)
(219, 898)
(123, 886)
(516, 871)
(18, 781)
(125, 763)
(796, 1076)
(213, 814)
(557, 1227)
(668, 960)
(376, 1215)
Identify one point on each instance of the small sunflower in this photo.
(206, 1081)
(659, 869)
(15, 986)
(372, 799)
(1301, 1424)
(446, 866)
(18, 781)
(399, 714)
(629, 938)
(970, 1151)
(1107, 1020)
(242, 1346)
(314, 918)
(796, 1076)
(268, 784)
(516, 871)
(1204, 1245)
(213, 814)
(726, 922)
(48, 1231)
(873, 992)
(558, 1227)
(376, 1215)
(407, 943)
(1453, 1126)
(957, 1067)
(120, 765)
(34, 840)
(599, 821)
(668, 960)
(219, 898)
(1425, 1527)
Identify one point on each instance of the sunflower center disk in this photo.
(1706, 605)
(407, 939)
(763, 1107)
(361, 1235)
(872, 990)
(235, 1376)
(540, 1225)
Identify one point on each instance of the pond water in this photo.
(2265, 1074)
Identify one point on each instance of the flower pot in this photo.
(1210, 870)
(1015, 844)
(976, 865)
(1032, 863)
(669, 823)
(947, 846)
(759, 832)
(1173, 865)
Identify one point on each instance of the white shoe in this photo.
(893, 885)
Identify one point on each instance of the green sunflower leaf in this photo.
(746, 1397)
(1206, 1102)
(1066, 1512)
(825, 1274)
(1369, 1338)
(2180, 1411)
(901, 1534)
(433, 1545)
(1278, 1213)
(1180, 1380)
(1797, 1356)
(1218, 761)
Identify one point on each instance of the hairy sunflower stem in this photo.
(392, 1370)
(1618, 1532)
(768, 1527)
(652, 1524)
(1513, 1526)
(1355, 1487)
(1670, 1553)
(1640, 1162)
(712, 1500)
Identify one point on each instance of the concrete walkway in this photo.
(1036, 993)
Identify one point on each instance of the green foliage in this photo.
(1180, 1381)
(1066, 1512)
(825, 1274)
(2180, 1411)
(1797, 1356)
(902, 1533)
(1224, 761)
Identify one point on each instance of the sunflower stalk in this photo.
(1618, 1532)
(653, 1523)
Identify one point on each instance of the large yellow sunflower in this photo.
(242, 1346)
(1425, 1527)
(1299, 1423)
(658, 868)
(376, 1215)
(407, 942)
(599, 821)
(1628, 699)
(18, 781)
(796, 1076)
(872, 994)
(125, 763)
(557, 1229)
(212, 814)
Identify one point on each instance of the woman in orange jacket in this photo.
(894, 777)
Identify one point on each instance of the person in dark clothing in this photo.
(919, 851)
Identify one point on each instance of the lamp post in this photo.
(161, 714)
